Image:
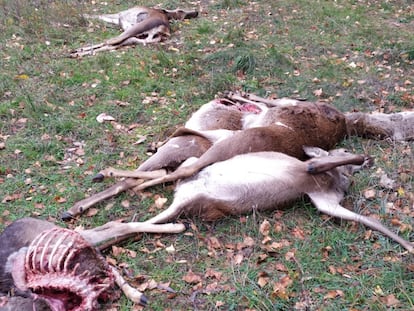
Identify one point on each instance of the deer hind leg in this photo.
(327, 205)
(324, 164)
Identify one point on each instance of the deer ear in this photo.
(315, 152)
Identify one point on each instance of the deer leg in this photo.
(323, 164)
(113, 230)
(180, 173)
(112, 172)
(329, 206)
(83, 205)
(240, 98)
(130, 292)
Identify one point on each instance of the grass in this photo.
(359, 53)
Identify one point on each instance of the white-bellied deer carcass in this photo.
(265, 181)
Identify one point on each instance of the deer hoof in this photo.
(143, 300)
(66, 216)
(98, 177)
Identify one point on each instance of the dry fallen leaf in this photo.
(92, 212)
(238, 259)
(369, 194)
(389, 300)
(211, 273)
(263, 279)
(160, 202)
(104, 117)
(332, 294)
(192, 278)
(265, 227)
(170, 249)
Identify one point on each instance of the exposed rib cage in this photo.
(61, 267)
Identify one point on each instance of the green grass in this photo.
(360, 53)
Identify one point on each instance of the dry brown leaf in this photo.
(332, 294)
(111, 261)
(318, 92)
(211, 273)
(264, 228)
(263, 280)
(13, 197)
(369, 194)
(192, 278)
(91, 212)
(262, 258)
(116, 250)
(280, 267)
(298, 233)
(290, 255)
(160, 202)
(247, 242)
(125, 204)
(238, 259)
(280, 288)
(59, 199)
(266, 239)
(387, 182)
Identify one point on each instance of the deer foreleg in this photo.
(241, 98)
(130, 292)
(113, 230)
(112, 172)
(328, 206)
(179, 173)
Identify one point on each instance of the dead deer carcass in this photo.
(140, 25)
(268, 180)
(221, 129)
(47, 267)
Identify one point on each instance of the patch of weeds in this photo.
(205, 28)
(229, 4)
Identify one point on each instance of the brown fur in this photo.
(283, 128)
(140, 25)
(288, 130)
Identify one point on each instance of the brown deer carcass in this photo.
(45, 267)
(223, 128)
(140, 25)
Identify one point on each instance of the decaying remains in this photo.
(247, 127)
(45, 267)
(226, 127)
(140, 25)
